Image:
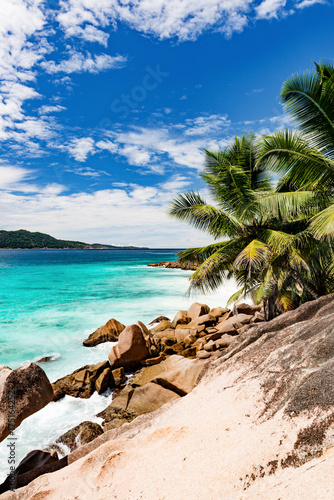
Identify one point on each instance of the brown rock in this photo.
(80, 434)
(196, 310)
(163, 325)
(130, 349)
(119, 376)
(106, 333)
(22, 392)
(159, 319)
(80, 383)
(150, 397)
(205, 319)
(258, 317)
(174, 349)
(167, 334)
(104, 380)
(244, 328)
(115, 417)
(189, 340)
(248, 309)
(153, 361)
(224, 341)
(190, 352)
(210, 346)
(203, 355)
(217, 312)
(181, 318)
(182, 333)
(33, 465)
(148, 336)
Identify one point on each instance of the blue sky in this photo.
(106, 105)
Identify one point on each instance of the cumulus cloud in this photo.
(79, 149)
(185, 19)
(45, 110)
(308, 3)
(270, 8)
(79, 63)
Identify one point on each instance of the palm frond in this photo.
(322, 224)
(191, 208)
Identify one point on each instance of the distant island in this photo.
(26, 239)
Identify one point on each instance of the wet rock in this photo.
(22, 392)
(33, 465)
(119, 377)
(80, 383)
(106, 333)
(104, 380)
(80, 434)
(114, 417)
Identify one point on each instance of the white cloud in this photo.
(203, 125)
(270, 8)
(185, 19)
(79, 62)
(308, 3)
(45, 110)
(10, 176)
(180, 144)
(87, 172)
(79, 149)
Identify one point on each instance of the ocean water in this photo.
(51, 300)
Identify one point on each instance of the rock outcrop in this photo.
(106, 333)
(22, 392)
(84, 381)
(80, 434)
(186, 266)
(259, 425)
(130, 349)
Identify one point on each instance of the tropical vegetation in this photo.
(274, 205)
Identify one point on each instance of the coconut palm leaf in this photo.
(322, 224)
(239, 294)
(309, 99)
(287, 153)
(191, 208)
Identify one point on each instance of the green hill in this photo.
(26, 239)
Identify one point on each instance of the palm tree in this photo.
(262, 252)
(305, 159)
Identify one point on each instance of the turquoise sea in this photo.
(51, 300)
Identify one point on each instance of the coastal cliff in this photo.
(259, 424)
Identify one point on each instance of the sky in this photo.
(106, 105)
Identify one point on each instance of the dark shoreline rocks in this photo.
(175, 265)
